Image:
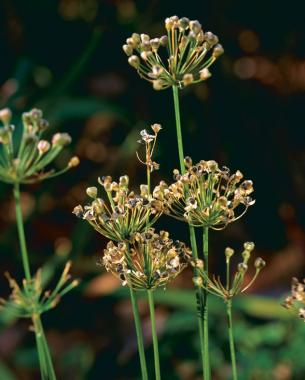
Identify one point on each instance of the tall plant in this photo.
(25, 162)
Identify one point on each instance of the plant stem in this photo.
(45, 360)
(178, 128)
(199, 291)
(154, 333)
(207, 371)
(231, 339)
(138, 327)
(21, 234)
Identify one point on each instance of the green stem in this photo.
(231, 339)
(178, 128)
(139, 334)
(207, 370)
(21, 234)
(154, 333)
(199, 291)
(45, 360)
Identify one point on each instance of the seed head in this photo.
(92, 192)
(259, 263)
(191, 53)
(74, 161)
(206, 195)
(151, 260)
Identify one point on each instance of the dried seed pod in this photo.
(179, 69)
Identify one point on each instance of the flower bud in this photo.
(144, 38)
(188, 79)
(156, 128)
(144, 190)
(134, 61)
(183, 23)
(205, 74)
(136, 39)
(197, 281)
(229, 252)
(259, 263)
(128, 50)
(124, 180)
(249, 246)
(195, 26)
(78, 211)
(158, 84)
(5, 116)
(36, 114)
(242, 267)
(61, 139)
(199, 264)
(74, 161)
(188, 161)
(163, 40)
(218, 51)
(92, 192)
(43, 146)
(43, 125)
(155, 43)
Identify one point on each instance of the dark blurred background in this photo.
(65, 57)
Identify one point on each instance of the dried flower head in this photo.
(152, 260)
(123, 213)
(188, 53)
(296, 300)
(25, 161)
(231, 288)
(206, 195)
(149, 140)
(31, 298)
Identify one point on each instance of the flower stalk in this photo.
(139, 333)
(154, 333)
(231, 339)
(200, 297)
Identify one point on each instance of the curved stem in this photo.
(207, 371)
(154, 333)
(139, 334)
(231, 339)
(21, 234)
(45, 360)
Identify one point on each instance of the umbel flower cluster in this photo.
(25, 161)
(31, 298)
(139, 256)
(296, 301)
(122, 213)
(150, 261)
(189, 52)
(230, 288)
(206, 195)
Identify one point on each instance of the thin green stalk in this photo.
(178, 128)
(199, 297)
(199, 291)
(231, 339)
(21, 234)
(207, 370)
(45, 360)
(154, 333)
(139, 334)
